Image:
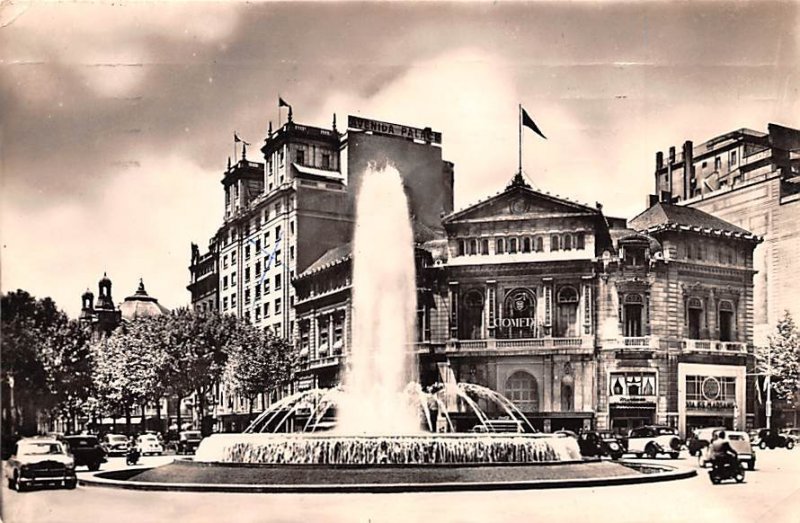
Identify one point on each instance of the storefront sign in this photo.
(393, 129)
(638, 400)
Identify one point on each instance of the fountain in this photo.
(382, 415)
(390, 434)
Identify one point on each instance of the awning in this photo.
(321, 173)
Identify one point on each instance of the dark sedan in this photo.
(87, 451)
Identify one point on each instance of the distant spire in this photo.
(270, 129)
(141, 286)
(229, 163)
(334, 122)
(244, 151)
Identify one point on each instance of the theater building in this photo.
(520, 284)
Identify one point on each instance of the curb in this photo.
(668, 474)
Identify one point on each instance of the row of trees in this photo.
(52, 366)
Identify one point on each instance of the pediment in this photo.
(520, 202)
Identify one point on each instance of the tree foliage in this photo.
(782, 359)
(259, 362)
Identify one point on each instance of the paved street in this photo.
(770, 494)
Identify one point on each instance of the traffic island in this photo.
(225, 477)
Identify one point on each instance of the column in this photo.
(491, 307)
(454, 299)
(548, 305)
(587, 305)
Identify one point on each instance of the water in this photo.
(380, 364)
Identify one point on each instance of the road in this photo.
(769, 494)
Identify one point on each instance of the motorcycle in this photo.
(728, 468)
(132, 457)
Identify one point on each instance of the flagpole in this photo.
(234, 146)
(519, 128)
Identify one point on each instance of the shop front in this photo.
(711, 396)
(632, 399)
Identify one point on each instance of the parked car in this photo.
(740, 442)
(86, 450)
(149, 444)
(793, 434)
(654, 440)
(115, 444)
(771, 438)
(701, 438)
(596, 444)
(38, 461)
(188, 441)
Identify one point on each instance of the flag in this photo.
(528, 122)
(282, 103)
(758, 390)
(236, 139)
(268, 262)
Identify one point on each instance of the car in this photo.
(188, 441)
(740, 442)
(115, 444)
(149, 444)
(86, 450)
(38, 461)
(792, 433)
(653, 440)
(700, 439)
(598, 444)
(771, 438)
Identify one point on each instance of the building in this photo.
(282, 214)
(750, 179)
(103, 316)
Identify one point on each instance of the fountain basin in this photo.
(414, 449)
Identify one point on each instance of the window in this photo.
(225, 262)
(277, 281)
(567, 313)
(257, 292)
(338, 333)
(512, 246)
(277, 257)
(717, 163)
(247, 274)
(568, 242)
(526, 244)
(462, 248)
(484, 246)
(225, 303)
(694, 317)
(278, 306)
(247, 295)
(278, 228)
(580, 241)
(632, 310)
(258, 269)
(233, 300)
(233, 279)
(555, 242)
(258, 245)
(233, 257)
(291, 228)
(326, 161)
(522, 391)
(539, 244)
(301, 156)
(473, 246)
(266, 309)
(224, 282)
(733, 158)
(726, 323)
(257, 312)
(471, 327)
(266, 285)
(500, 246)
(277, 212)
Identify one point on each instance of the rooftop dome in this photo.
(141, 305)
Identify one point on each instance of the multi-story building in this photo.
(283, 214)
(581, 320)
(750, 179)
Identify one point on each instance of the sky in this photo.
(116, 120)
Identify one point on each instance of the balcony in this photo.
(643, 343)
(487, 347)
(319, 363)
(715, 346)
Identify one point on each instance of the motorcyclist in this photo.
(133, 455)
(721, 452)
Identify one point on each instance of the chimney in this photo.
(688, 167)
(659, 160)
(666, 197)
(652, 200)
(672, 154)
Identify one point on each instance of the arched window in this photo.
(567, 394)
(512, 246)
(695, 317)
(521, 389)
(580, 241)
(484, 246)
(555, 242)
(462, 249)
(473, 246)
(526, 244)
(726, 321)
(567, 242)
(500, 246)
(519, 315)
(567, 312)
(471, 321)
(539, 244)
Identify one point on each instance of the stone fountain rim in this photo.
(430, 435)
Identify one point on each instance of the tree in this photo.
(782, 358)
(198, 349)
(259, 362)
